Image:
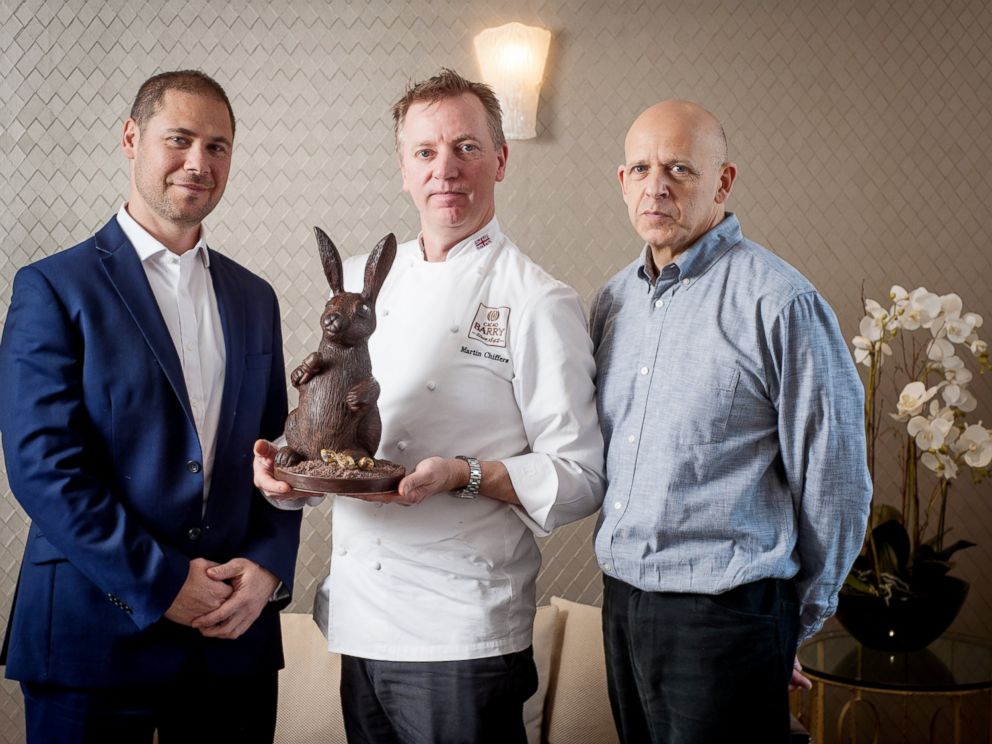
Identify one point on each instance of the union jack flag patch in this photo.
(483, 241)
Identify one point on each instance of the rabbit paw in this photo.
(308, 368)
(286, 457)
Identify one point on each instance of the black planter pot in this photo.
(906, 623)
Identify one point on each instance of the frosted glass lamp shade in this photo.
(512, 59)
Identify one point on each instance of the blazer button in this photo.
(193, 466)
(194, 533)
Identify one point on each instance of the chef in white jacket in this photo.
(487, 399)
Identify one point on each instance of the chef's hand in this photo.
(431, 476)
(263, 467)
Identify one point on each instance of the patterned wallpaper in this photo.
(859, 129)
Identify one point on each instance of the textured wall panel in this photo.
(860, 130)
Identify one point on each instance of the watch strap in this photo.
(471, 490)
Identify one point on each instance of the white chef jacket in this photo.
(487, 355)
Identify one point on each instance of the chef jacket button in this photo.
(454, 329)
(401, 446)
(377, 566)
(631, 439)
(194, 533)
(193, 466)
(386, 311)
(432, 385)
(659, 303)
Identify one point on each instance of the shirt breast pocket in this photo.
(702, 400)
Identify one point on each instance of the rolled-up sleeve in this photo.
(561, 478)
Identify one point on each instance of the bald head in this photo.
(683, 117)
(676, 176)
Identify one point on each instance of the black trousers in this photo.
(698, 668)
(195, 707)
(477, 701)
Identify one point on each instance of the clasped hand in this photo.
(222, 600)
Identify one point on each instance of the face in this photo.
(180, 161)
(450, 166)
(673, 180)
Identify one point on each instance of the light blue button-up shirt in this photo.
(733, 420)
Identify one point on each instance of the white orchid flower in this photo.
(912, 399)
(976, 444)
(942, 465)
(957, 329)
(897, 294)
(929, 434)
(921, 309)
(950, 304)
(940, 349)
(872, 327)
(979, 347)
(974, 318)
(957, 374)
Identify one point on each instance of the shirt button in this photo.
(432, 385)
(194, 533)
(377, 566)
(644, 370)
(401, 446)
(687, 282)
(607, 567)
(659, 303)
(454, 329)
(618, 505)
(193, 466)
(631, 439)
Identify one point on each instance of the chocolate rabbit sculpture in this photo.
(337, 407)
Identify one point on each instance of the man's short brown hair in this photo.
(449, 84)
(153, 90)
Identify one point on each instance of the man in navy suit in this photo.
(136, 370)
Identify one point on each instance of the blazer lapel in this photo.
(125, 272)
(230, 305)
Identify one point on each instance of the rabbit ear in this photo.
(378, 265)
(331, 260)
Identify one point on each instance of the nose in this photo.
(445, 165)
(196, 160)
(655, 185)
(333, 323)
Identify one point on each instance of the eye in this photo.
(680, 170)
(468, 147)
(638, 170)
(218, 149)
(422, 154)
(177, 140)
(364, 310)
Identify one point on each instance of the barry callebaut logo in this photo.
(490, 325)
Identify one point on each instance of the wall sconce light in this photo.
(512, 58)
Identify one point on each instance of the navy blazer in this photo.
(102, 453)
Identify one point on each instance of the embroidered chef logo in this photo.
(490, 325)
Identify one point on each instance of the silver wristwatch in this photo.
(474, 478)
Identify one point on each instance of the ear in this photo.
(501, 156)
(728, 174)
(378, 265)
(621, 174)
(331, 261)
(129, 138)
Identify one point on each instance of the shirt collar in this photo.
(146, 246)
(491, 234)
(698, 257)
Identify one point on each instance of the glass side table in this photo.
(951, 667)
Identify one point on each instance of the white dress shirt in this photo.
(185, 295)
(485, 355)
